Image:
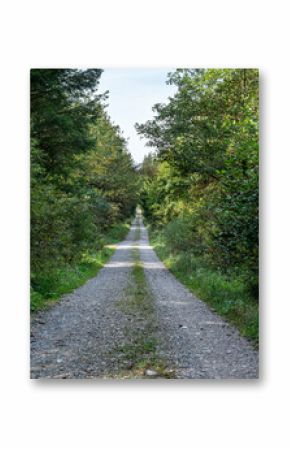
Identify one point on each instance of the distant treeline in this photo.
(82, 177)
(201, 185)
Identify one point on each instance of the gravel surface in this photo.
(80, 335)
(193, 339)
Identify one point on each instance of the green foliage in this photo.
(83, 180)
(64, 103)
(202, 183)
(226, 294)
(48, 285)
(178, 235)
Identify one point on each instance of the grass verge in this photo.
(49, 286)
(228, 296)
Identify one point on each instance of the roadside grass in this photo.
(140, 350)
(49, 286)
(228, 296)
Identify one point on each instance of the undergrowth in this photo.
(227, 295)
(49, 285)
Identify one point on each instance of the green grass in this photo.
(140, 349)
(227, 295)
(49, 286)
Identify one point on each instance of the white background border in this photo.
(83, 414)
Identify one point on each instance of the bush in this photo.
(52, 281)
(178, 234)
(227, 294)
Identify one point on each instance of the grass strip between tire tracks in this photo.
(139, 353)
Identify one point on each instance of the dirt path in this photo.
(83, 336)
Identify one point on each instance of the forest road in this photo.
(80, 336)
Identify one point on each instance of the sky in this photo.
(132, 93)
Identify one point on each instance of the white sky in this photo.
(132, 93)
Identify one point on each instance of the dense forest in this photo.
(200, 187)
(83, 182)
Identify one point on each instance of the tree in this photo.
(208, 136)
(82, 176)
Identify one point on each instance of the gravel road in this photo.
(193, 339)
(79, 336)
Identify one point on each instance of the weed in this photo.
(140, 349)
(227, 295)
(50, 285)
